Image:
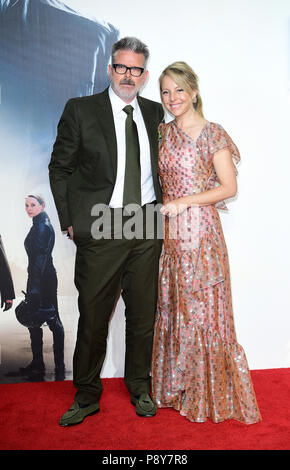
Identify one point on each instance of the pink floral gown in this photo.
(198, 367)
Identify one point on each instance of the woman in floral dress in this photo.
(198, 367)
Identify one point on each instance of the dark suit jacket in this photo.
(83, 164)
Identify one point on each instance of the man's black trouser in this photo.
(103, 268)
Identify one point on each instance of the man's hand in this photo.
(8, 304)
(70, 233)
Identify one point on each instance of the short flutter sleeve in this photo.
(219, 139)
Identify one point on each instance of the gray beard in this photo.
(129, 95)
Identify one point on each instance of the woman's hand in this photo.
(175, 207)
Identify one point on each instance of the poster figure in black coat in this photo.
(6, 283)
(42, 287)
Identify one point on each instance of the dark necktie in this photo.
(132, 181)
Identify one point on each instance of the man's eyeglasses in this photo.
(122, 69)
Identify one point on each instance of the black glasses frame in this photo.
(139, 69)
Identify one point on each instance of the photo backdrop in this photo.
(51, 51)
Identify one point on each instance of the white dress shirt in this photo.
(147, 188)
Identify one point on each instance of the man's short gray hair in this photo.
(132, 44)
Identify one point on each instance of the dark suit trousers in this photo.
(103, 268)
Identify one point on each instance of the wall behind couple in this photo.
(51, 51)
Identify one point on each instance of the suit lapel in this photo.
(150, 124)
(106, 122)
(105, 118)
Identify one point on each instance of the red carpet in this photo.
(30, 412)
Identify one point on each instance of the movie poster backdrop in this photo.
(48, 54)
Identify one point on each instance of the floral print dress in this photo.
(198, 367)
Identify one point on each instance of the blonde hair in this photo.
(39, 198)
(185, 77)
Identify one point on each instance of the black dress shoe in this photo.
(145, 406)
(59, 372)
(34, 368)
(77, 413)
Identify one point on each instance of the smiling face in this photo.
(125, 85)
(33, 207)
(175, 98)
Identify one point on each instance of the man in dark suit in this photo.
(105, 156)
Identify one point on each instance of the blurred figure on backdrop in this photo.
(198, 367)
(41, 289)
(34, 46)
(6, 282)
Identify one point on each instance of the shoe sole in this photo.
(64, 425)
(145, 416)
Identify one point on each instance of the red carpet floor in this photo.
(30, 412)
